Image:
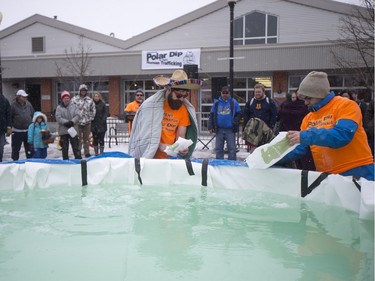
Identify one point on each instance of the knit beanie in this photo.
(315, 85)
(65, 94)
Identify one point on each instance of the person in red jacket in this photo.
(332, 130)
(290, 116)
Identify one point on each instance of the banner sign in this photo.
(170, 59)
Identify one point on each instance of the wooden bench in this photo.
(119, 131)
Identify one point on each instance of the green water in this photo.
(178, 233)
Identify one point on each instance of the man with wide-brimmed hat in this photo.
(332, 130)
(164, 117)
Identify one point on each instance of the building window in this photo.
(131, 86)
(338, 82)
(72, 87)
(255, 28)
(37, 44)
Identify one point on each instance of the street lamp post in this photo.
(231, 4)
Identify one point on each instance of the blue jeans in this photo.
(40, 153)
(229, 136)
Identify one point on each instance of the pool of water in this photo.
(178, 233)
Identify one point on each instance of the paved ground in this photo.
(54, 153)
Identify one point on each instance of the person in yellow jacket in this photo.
(332, 130)
(132, 107)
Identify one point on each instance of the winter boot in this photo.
(101, 149)
(96, 150)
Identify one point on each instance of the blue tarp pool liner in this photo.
(118, 154)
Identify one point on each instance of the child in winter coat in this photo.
(37, 131)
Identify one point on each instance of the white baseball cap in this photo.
(21, 93)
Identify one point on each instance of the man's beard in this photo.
(174, 104)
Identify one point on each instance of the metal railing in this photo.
(111, 125)
(205, 137)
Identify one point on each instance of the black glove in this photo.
(69, 124)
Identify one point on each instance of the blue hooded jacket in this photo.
(34, 135)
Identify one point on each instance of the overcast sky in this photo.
(125, 18)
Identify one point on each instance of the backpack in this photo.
(252, 100)
(257, 132)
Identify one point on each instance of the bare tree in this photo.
(76, 64)
(357, 33)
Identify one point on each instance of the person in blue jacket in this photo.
(35, 135)
(332, 131)
(224, 121)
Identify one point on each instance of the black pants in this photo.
(17, 139)
(74, 142)
(98, 138)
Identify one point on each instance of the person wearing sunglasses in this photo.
(164, 117)
(224, 121)
(132, 107)
(332, 130)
